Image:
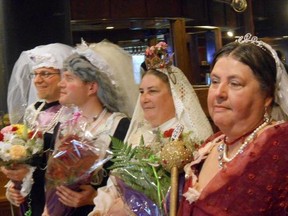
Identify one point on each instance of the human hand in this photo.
(14, 195)
(45, 212)
(76, 199)
(16, 173)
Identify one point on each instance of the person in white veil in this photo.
(21, 90)
(103, 107)
(37, 73)
(166, 100)
(118, 65)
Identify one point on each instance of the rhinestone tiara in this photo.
(249, 38)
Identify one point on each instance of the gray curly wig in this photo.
(87, 72)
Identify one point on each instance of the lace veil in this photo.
(188, 109)
(21, 90)
(118, 65)
(281, 88)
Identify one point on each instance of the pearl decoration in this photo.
(222, 148)
(52, 122)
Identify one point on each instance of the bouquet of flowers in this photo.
(73, 163)
(18, 144)
(142, 176)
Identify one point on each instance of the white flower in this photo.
(5, 151)
(191, 195)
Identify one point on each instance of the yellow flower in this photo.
(21, 130)
(17, 152)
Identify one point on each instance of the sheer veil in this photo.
(118, 65)
(21, 90)
(281, 89)
(280, 107)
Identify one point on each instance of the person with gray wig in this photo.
(93, 91)
(87, 72)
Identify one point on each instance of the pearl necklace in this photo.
(222, 148)
(52, 122)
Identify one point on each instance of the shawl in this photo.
(254, 183)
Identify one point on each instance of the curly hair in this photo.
(87, 72)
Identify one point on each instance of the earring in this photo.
(266, 115)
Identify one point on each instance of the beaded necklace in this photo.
(222, 148)
(236, 140)
(52, 122)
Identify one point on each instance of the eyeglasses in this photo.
(43, 74)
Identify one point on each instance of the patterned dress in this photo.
(253, 183)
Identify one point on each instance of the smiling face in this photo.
(156, 100)
(47, 88)
(235, 99)
(73, 90)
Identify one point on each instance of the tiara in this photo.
(249, 38)
(157, 57)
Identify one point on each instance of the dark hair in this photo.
(257, 58)
(87, 72)
(158, 74)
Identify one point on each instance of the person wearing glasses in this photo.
(42, 66)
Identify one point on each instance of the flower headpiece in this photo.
(157, 56)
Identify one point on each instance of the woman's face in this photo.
(156, 100)
(73, 90)
(235, 100)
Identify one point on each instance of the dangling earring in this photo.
(266, 115)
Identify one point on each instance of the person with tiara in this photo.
(42, 66)
(92, 82)
(166, 100)
(242, 170)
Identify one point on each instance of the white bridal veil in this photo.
(21, 90)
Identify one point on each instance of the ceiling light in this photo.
(110, 27)
(230, 33)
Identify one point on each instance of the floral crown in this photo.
(157, 56)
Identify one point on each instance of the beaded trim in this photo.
(249, 38)
(52, 122)
(222, 148)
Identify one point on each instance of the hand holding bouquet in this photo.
(76, 158)
(18, 146)
(142, 176)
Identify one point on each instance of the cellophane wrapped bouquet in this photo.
(76, 158)
(142, 174)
